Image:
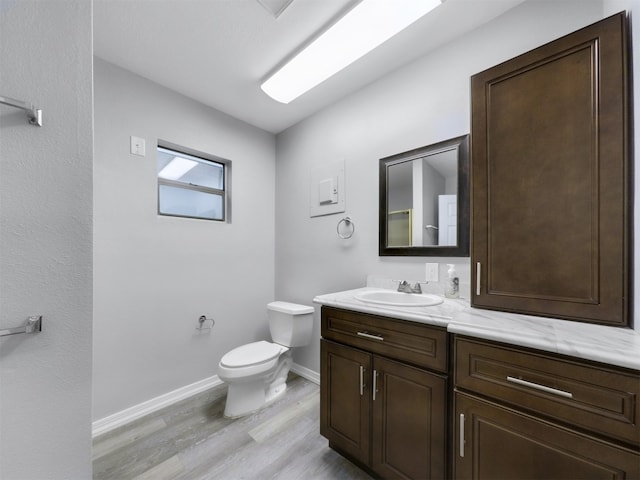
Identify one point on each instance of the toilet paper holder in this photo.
(205, 323)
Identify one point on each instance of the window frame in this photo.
(224, 192)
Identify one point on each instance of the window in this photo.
(191, 186)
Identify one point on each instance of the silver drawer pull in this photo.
(537, 386)
(375, 384)
(371, 336)
(462, 441)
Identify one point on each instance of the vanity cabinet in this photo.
(383, 393)
(523, 414)
(549, 163)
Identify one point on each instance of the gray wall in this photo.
(425, 102)
(154, 276)
(45, 240)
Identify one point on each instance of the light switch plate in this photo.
(138, 146)
(431, 272)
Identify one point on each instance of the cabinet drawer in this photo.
(415, 343)
(496, 442)
(600, 399)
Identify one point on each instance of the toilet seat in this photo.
(251, 354)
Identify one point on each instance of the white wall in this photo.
(45, 240)
(154, 276)
(423, 103)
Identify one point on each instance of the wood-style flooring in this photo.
(192, 440)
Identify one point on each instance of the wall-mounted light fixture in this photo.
(366, 26)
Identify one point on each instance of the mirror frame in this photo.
(461, 249)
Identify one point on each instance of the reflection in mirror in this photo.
(424, 201)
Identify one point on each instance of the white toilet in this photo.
(257, 372)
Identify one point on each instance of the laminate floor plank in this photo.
(126, 437)
(167, 470)
(192, 440)
(285, 419)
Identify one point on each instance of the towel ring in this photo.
(347, 221)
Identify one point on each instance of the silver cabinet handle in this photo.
(478, 276)
(462, 435)
(537, 386)
(371, 336)
(361, 380)
(34, 324)
(375, 384)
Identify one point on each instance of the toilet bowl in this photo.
(256, 373)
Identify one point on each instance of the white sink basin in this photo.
(399, 299)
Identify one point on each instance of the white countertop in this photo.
(600, 343)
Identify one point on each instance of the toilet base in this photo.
(244, 398)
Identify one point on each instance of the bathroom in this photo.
(125, 309)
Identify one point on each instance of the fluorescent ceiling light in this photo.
(176, 168)
(366, 26)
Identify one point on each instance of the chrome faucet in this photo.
(405, 287)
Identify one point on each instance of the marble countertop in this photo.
(600, 343)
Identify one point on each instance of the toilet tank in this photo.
(290, 324)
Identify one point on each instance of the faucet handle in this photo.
(405, 287)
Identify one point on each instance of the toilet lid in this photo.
(251, 354)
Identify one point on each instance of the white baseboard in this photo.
(130, 414)
(306, 373)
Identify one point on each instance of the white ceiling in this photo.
(219, 51)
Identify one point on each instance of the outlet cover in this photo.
(431, 272)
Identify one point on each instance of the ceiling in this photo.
(219, 51)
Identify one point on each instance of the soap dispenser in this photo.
(452, 290)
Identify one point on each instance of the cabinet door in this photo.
(549, 179)
(409, 422)
(494, 443)
(345, 399)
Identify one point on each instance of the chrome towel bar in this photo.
(34, 324)
(35, 114)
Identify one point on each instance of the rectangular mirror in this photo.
(424, 201)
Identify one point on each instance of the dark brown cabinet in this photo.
(388, 415)
(408, 420)
(549, 168)
(345, 399)
(516, 413)
(527, 415)
(500, 443)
